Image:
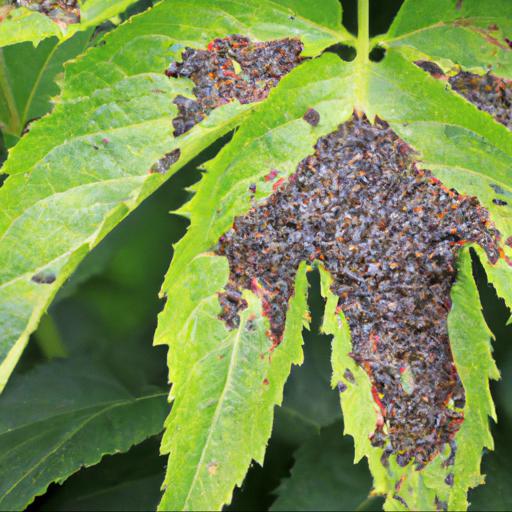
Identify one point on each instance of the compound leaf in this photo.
(112, 123)
(200, 344)
(471, 33)
(64, 415)
(28, 80)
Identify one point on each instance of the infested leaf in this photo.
(112, 125)
(382, 174)
(25, 20)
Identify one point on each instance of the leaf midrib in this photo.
(220, 405)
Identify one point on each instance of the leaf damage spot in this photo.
(488, 92)
(212, 468)
(229, 69)
(389, 234)
(165, 163)
(44, 277)
(312, 117)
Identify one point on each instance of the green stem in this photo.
(363, 50)
(363, 30)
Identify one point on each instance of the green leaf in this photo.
(111, 125)
(22, 24)
(27, 79)
(194, 332)
(225, 386)
(470, 33)
(62, 416)
(469, 338)
(324, 477)
(127, 481)
(298, 418)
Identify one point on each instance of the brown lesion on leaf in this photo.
(230, 68)
(44, 277)
(487, 92)
(62, 12)
(389, 234)
(488, 33)
(165, 163)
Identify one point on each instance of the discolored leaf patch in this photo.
(230, 68)
(488, 92)
(389, 234)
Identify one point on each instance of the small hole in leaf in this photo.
(377, 54)
(344, 52)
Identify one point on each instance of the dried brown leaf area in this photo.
(60, 11)
(230, 68)
(389, 234)
(488, 92)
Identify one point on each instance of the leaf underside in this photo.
(112, 123)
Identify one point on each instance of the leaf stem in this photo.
(363, 50)
(363, 30)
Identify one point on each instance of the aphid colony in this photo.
(488, 92)
(389, 234)
(232, 68)
(65, 11)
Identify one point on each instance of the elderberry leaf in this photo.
(26, 21)
(82, 169)
(225, 386)
(324, 476)
(28, 80)
(198, 460)
(474, 34)
(64, 415)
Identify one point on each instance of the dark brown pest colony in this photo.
(389, 234)
(489, 93)
(232, 68)
(64, 11)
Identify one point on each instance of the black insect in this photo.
(341, 387)
(349, 375)
(499, 202)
